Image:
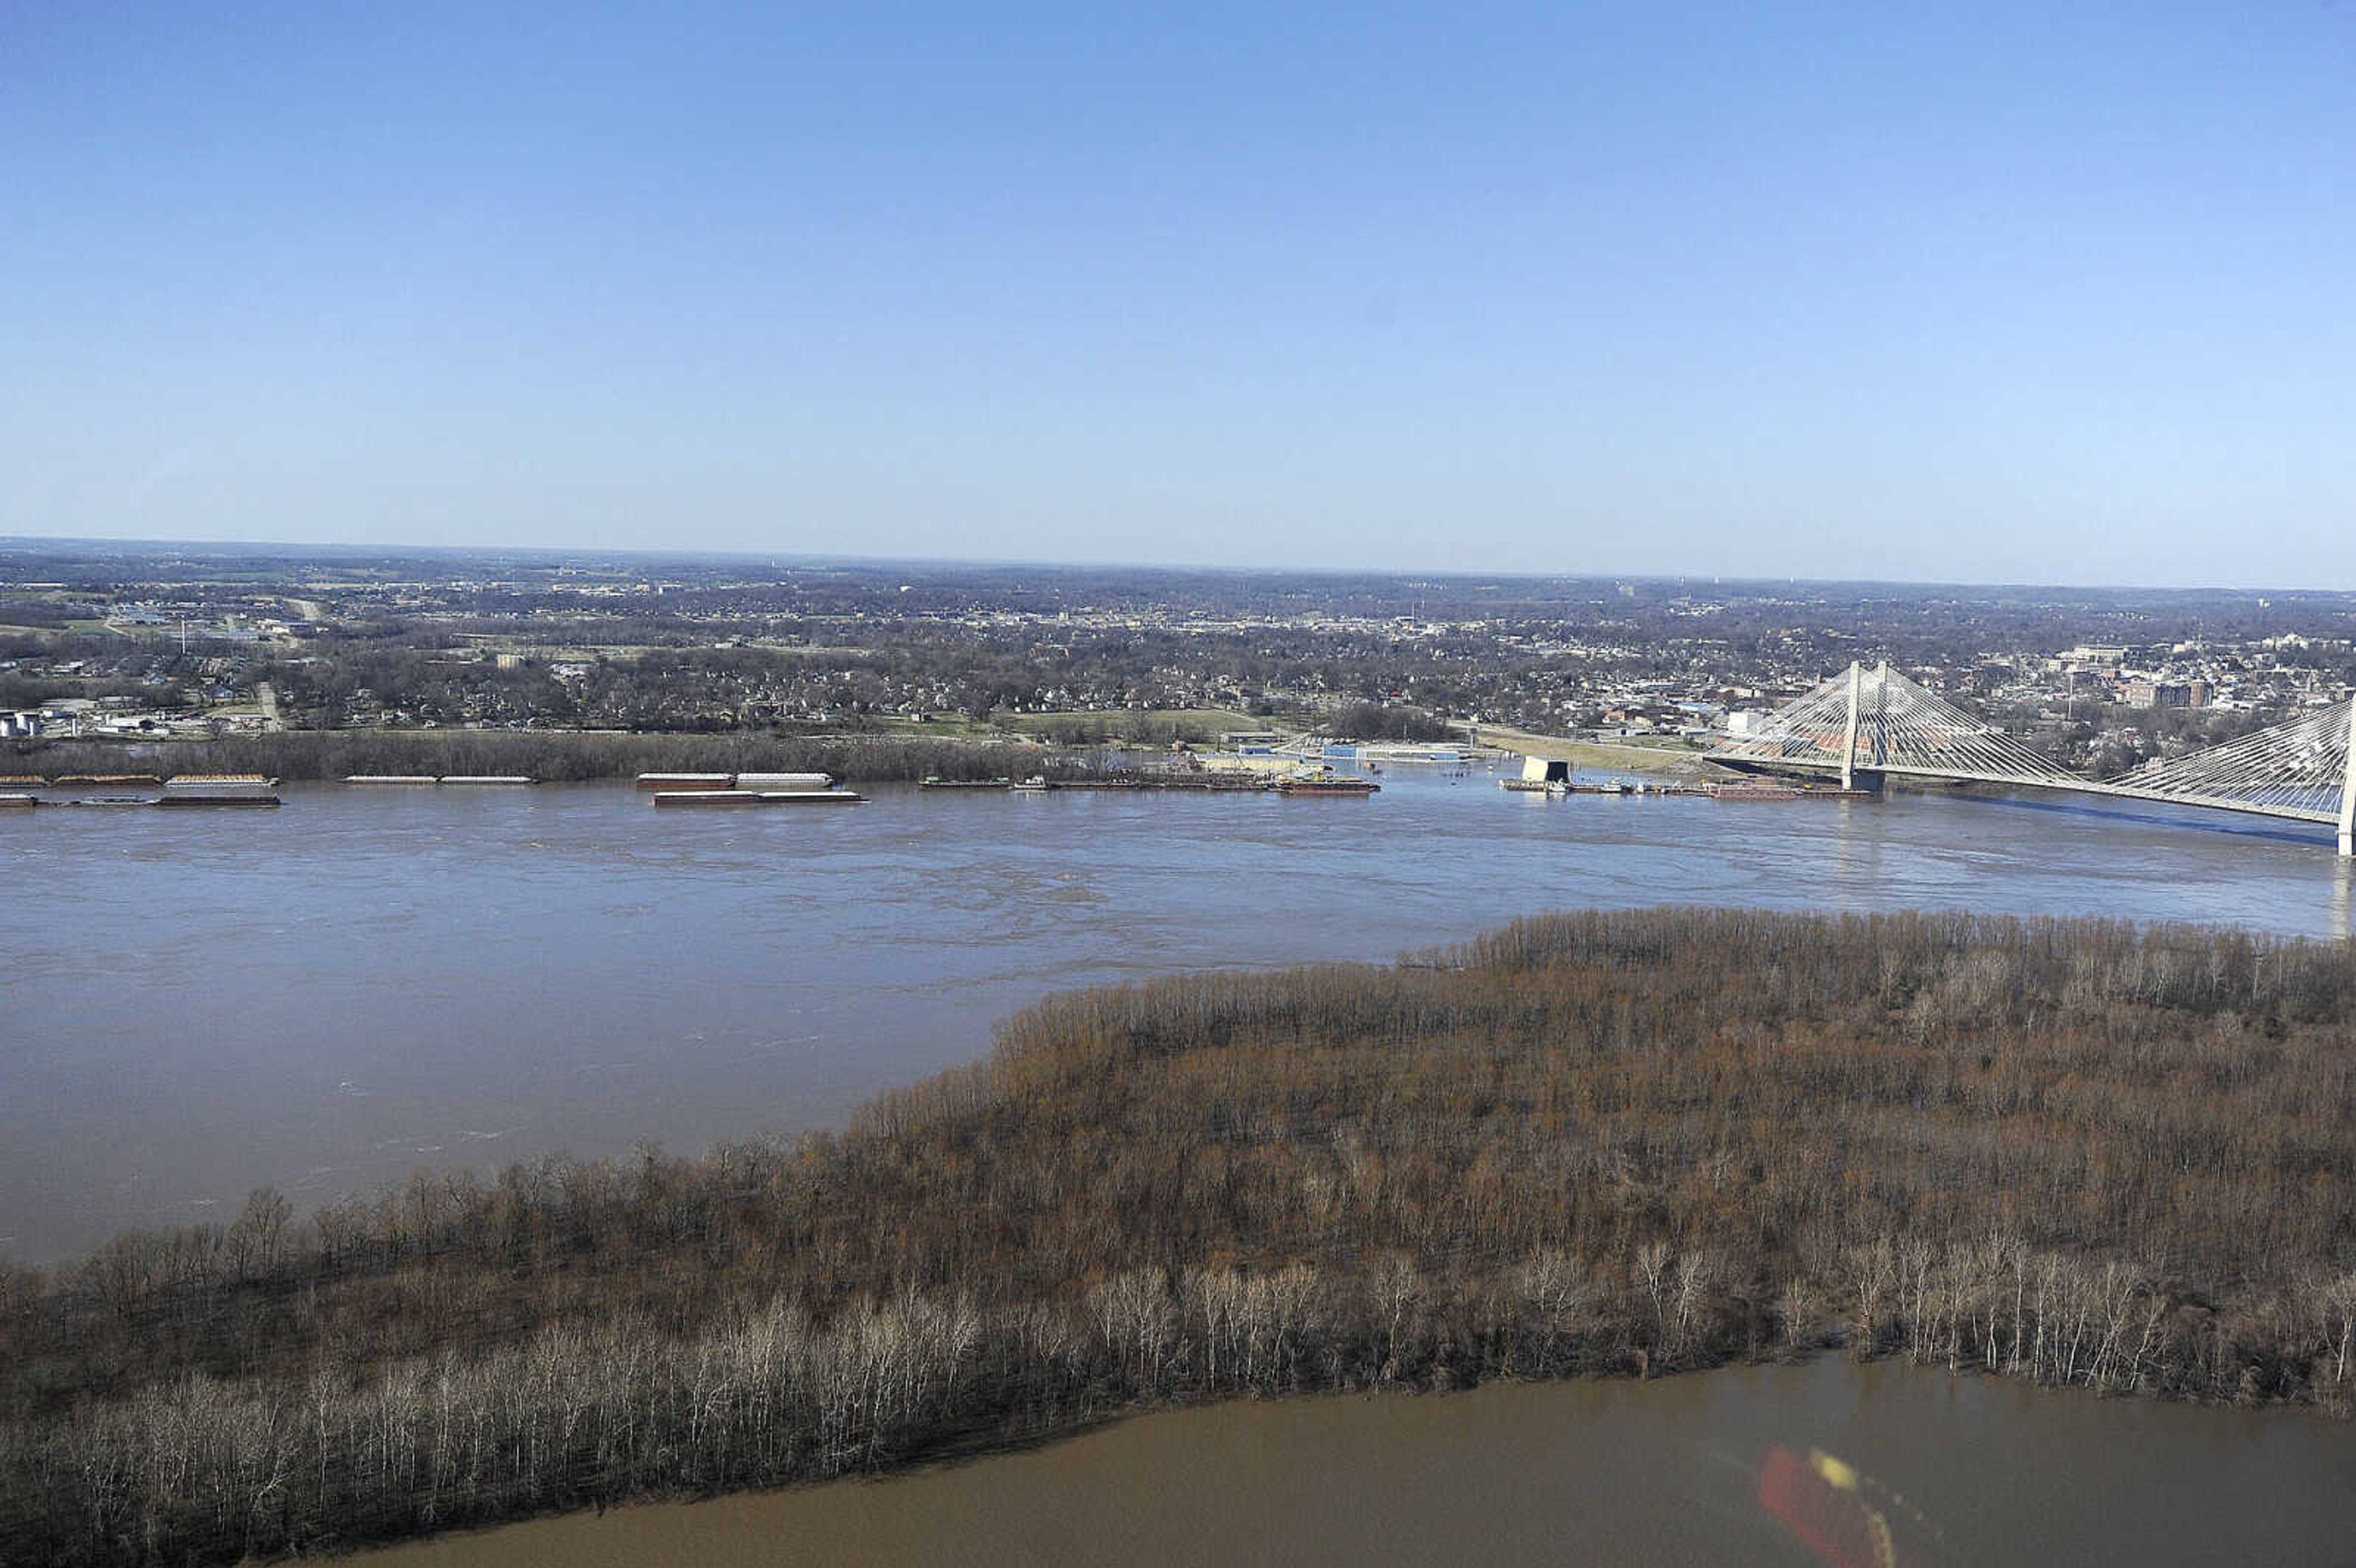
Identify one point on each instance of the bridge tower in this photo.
(2348, 788)
(1849, 744)
(1849, 772)
(1880, 720)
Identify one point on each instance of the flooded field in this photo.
(323, 997)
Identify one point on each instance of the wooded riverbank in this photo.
(2074, 1151)
(551, 756)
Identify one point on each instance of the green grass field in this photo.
(1661, 754)
(1198, 725)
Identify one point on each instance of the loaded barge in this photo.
(758, 797)
(1209, 781)
(1326, 785)
(219, 789)
(725, 790)
(180, 790)
(1650, 789)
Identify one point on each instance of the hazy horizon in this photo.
(298, 547)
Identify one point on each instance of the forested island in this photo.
(1626, 1144)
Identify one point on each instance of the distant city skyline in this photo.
(2010, 293)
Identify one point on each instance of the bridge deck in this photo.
(2329, 816)
(2303, 770)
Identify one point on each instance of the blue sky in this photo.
(2022, 292)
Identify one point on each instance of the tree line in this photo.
(551, 756)
(2086, 1153)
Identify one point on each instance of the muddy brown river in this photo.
(1705, 1469)
(326, 996)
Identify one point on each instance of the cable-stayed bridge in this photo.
(1868, 723)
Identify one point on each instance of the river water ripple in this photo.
(323, 997)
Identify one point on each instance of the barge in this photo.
(734, 797)
(1327, 786)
